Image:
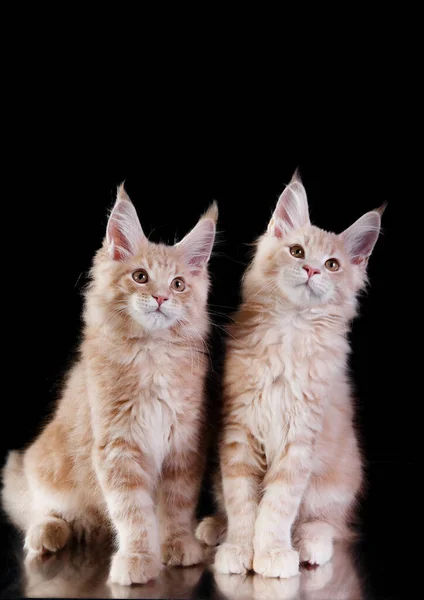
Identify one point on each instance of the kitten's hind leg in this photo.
(49, 534)
(178, 494)
(326, 511)
(211, 530)
(45, 533)
(315, 542)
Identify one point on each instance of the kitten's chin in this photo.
(154, 321)
(304, 296)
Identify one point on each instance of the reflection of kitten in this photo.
(338, 579)
(82, 571)
(73, 572)
(127, 429)
(289, 457)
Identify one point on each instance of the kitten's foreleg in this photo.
(284, 485)
(241, 475)
(127, 480)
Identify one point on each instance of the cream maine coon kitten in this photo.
(290, 464)
(125, 443)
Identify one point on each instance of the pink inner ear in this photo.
(360, 238)
(366, 243)
(278, 232)
(291, 211)
(197, 245)
(124, 232)
(121, 247)
(284, 215)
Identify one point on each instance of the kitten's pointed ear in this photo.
(292, 210)
(360, 238)
(196, 246)
(124, 234)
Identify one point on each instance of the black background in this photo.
(62, 167)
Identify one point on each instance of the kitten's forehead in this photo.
(159, 258)
(325, 242)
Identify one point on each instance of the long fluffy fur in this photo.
(124, 446)
(290, 466)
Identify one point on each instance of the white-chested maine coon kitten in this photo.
(124, 445)
(289, 459)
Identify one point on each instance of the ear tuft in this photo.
(212, 212)
(122, 195)
(381, 209)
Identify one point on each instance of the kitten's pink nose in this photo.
(311, 271)
(160, 299)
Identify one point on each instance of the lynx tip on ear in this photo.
(212, 212)
(122, 194)
(380, 210)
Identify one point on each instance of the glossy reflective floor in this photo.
(82, 572)
(378, 567)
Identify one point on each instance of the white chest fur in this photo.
(156, 405)
(289, 381)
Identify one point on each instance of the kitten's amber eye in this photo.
(297, 251)
(178, 284)
(140, 276)
(332, 264)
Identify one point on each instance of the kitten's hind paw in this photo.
(127, 569)
(316, 551)
(50, 535)
(232, 558)
(211, 530)
(182, 551)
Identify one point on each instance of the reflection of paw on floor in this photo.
(265, 588)
(173, 582)
(256, 587)
(337, 578)
(70, 572)
(79, 571)
(317, 577)
(235, 586)
(82, 570)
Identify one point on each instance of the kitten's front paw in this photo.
(127, 569)
(277, 562)
(232, 558)
(316, 551)
(182, 551)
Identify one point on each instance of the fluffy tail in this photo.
(15, 492)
